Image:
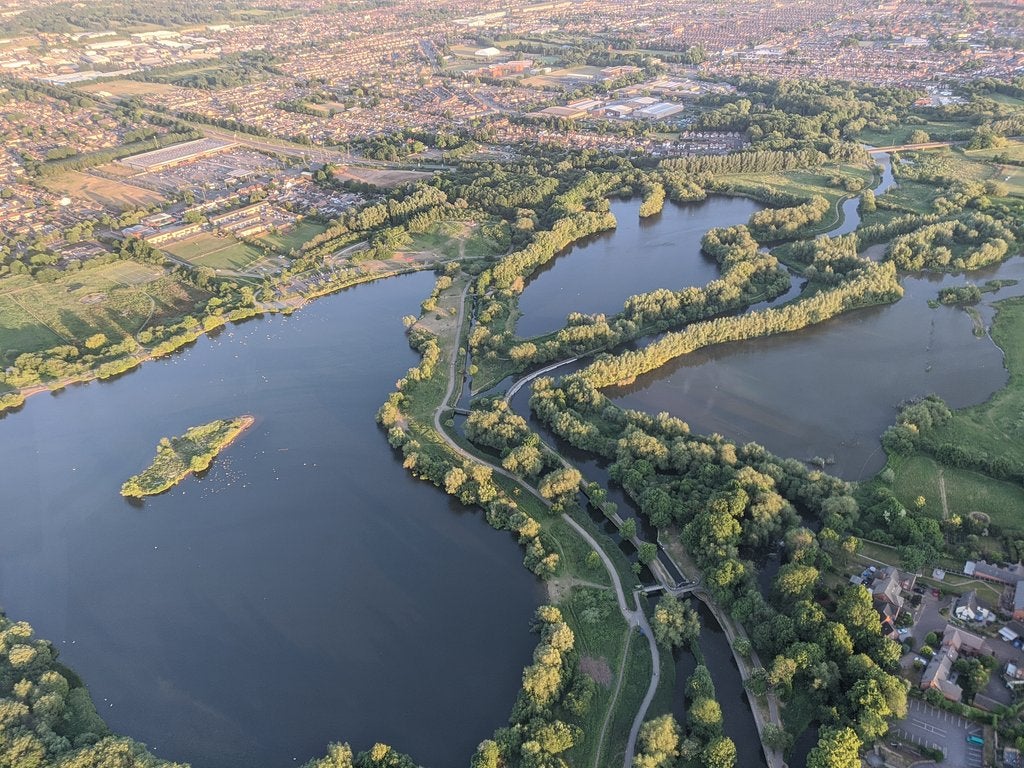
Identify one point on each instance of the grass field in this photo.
(216, 252)
(1002, 98)
(900, 134)
(914, 195)
(966, 491)
(453, 239)
(108, 193)
(295, 237)
(565, 78)
(117, 300)
(997, 426)
(120, 88)
(975, 165)
(379, 177)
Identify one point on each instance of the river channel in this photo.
(306, 589)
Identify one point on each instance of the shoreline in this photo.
(14, 400)
(239, 424)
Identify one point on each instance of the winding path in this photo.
(527, 379)
(634, 617)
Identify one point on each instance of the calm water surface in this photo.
(639, 255)
(832, 389)
(737, 721)
(307, 589)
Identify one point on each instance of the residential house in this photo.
(955, 643)
(966, 608)
(1007, 575)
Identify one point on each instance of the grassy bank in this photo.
(997, 425)
(579, 587)
(178, 457)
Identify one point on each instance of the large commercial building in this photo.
(176, 154)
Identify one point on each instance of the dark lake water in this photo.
(639, 255)
(307, 589)
(737, 719)
(832, 389)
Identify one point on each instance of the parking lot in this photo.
(930, 727)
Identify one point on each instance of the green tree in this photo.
(338, 756)
(648, 552)
(720, 753)
(836, 748)
(705, 716)
(796, 582)
(658, 742)
(857, 612)
(675, 622)
(96, 341)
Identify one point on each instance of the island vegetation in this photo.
(179, 457)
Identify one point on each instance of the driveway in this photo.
(930, 727)
(929, 619)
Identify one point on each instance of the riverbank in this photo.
(179, 457)
(419, 420)
(14, 399)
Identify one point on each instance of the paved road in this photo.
(906, 147)
(633, 616)
(934, 728)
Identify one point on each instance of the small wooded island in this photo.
(178, 457)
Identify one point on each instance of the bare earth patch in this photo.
(597, 669)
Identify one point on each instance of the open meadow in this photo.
(109, 193)
(117, 300)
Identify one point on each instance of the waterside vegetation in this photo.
(178, 457)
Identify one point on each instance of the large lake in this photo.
(307, 589)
